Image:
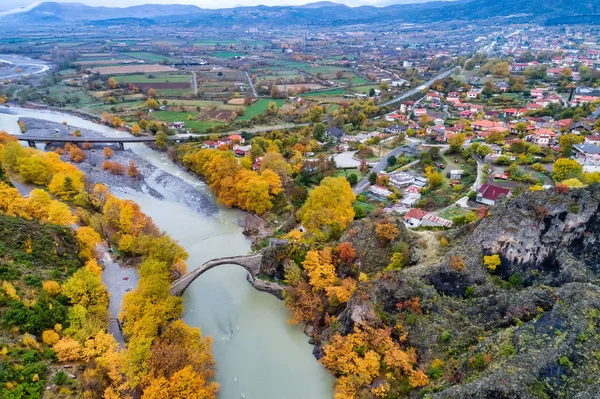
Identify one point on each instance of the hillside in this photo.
(526, 329)
(323, 13)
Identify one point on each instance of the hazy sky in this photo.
(10, 4)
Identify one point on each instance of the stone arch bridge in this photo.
(252, 263)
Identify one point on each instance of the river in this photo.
(258, 354)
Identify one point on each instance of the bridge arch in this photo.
(252, 263)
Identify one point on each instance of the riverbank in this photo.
(151, 180)
(258, 353)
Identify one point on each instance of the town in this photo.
(352, 202)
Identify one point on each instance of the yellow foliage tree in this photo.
(88, 238)
(50, 337)
(320, 270)
(51, 287)
(328, 208)
(491, 261)
(68, 350)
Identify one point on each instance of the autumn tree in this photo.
(132, 170)
(320, 269)
(565, 168)
(328, 209)
(347, 252)
(386, 232)
(107, 152)
(136, 130)
(112, 83)
(151, 93)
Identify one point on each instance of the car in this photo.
(441, 165)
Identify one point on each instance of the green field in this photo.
(215, 41)
(158, 78)
(152, 57)
(227, 54)
(71, 95)
(170, 116)
(325, 93)
(258, 108)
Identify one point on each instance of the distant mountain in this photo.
(324, 13)
(52, 11)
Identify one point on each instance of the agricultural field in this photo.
(325, 93)
(258, 108)
(215, 42)
(129, 69)
(150, 78)
(194, 125)
(151, 57)
(227, 54)
(69, 95)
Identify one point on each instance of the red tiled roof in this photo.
(415, 214)
(491, 192)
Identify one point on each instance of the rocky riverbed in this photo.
(151, 180)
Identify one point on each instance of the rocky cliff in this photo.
(528, 329)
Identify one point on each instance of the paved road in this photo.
(254, 93)
(418, 89)
(379, 167)
(194, 83)
(346, 160)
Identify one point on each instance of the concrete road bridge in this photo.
(31, 140)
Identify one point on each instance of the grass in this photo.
(64, 93)
(215, 41)
(152, 57)
(452, 212)
(324, 93)
(258, 108)
(171, 116)
(348, 172)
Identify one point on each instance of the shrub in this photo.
(60, 377)
(469, 292)
(50, 337)
(491, 262)
(397, 261)
(516, 280)
(386, 232)
(51, 287)
(443, 241)
(457, 263)
(445, 336)
(113, 167)
(352, 179)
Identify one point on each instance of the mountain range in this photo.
(322, 13)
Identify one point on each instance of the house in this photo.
(456, 174)
(502, 86)
(581, 127)
(404, 179)
(488, 194)
(177, 125)
(414, 217)
(420, 111)
(380, 191)
(211, 144)
(241, 151)
(396, 129)
(592, 140)
(588, 156)
(334, 132)
(473, 93)
(542, 137)
(417, 217)
(484, 125)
